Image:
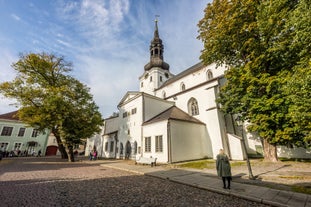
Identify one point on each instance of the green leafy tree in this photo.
(254, 38)
(51, 99)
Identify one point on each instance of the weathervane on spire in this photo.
(156, 18)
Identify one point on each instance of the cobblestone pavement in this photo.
(55, 182)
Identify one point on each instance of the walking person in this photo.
(223, 168)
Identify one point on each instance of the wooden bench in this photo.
(146, 160)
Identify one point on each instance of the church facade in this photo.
(173, 117)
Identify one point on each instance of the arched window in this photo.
(193, 108)
(209, 74)
(182, 86)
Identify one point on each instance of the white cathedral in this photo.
(173, 118)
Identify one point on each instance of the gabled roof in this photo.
(129, 96)
(184, 73)
(10, 116)
(173, 113)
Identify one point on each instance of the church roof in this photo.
(10, 116)
(173, 113)
(184, 73)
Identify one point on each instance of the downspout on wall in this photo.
(169, 142)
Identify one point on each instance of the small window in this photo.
(147, 144)
(156, 51)
(134, 111)
(161, 79)
(142, 84)
(163, 94)
(106, 147)
(35, 133)
(159, 143)
(166, 75)
(135, 148)
(7, 131)
(150, 79)
(21, 132)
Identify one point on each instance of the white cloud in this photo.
(17, 18)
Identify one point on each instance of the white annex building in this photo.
(173, 117)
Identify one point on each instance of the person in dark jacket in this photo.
(223, 168)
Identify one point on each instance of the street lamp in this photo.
(250, 173)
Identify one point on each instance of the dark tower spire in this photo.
(156, 51)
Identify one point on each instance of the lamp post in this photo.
(250, 173)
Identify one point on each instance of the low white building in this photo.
(173, 117)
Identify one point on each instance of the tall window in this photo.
(159, 143)
(7, 131)
(21, 132)
(106, 147)
(161, 79)
(150, 78)
(147, 144)
(193, 108)
(35, 133)
(209, 74)
(111, 146)
(135, 148)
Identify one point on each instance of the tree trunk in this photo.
(61, 147)
(71, 157)
(269, 151)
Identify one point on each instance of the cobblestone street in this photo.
(55, 182)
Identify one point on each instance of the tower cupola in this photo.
(156, 52)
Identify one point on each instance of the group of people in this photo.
(93, 155)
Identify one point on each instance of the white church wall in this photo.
(154, 106)
(130, 125)
(152, 130)
(236, 152)
(188, 141)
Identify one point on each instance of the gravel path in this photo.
(53, 182)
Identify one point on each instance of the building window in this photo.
(147, 144)
(161, 79)
(193, 108)
(135, 148)
(159, 143)
(17, 146)
(182, 87)
(163, 94)
(21, 132)
(6, 131)
(134, 111)
(124, 114)
(111, 146)
(142, 84)
(106, 147)
(3, 146)
(209, 74)
(150, 79)
(76, 146)
(35, 133)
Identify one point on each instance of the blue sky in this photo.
(107, 41)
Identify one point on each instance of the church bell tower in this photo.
(156, 72)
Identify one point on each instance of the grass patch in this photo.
(201, 164)
(302, 189)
